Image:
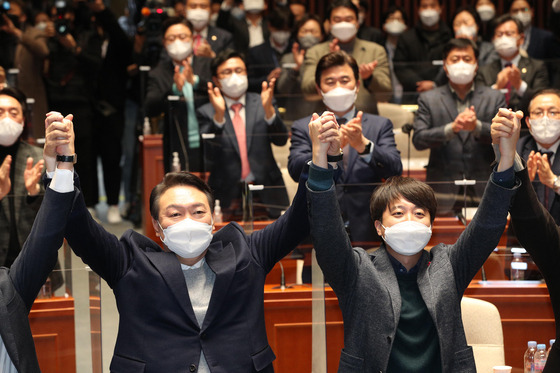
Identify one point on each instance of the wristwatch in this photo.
(335, 158)
(67, 158)
(367, 149)
(556, 184)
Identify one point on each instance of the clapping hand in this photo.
(32, 175)
(217, 101)
(5, 182)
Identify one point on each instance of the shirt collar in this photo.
(515, 61)
(230, 101)
(399, 268)
(471, 90)
(198, 264)
(203, 33)
(553, 148)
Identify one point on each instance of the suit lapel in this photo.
(449, 102)
(229, 131)
(251, 119)
(222, 261)
(389, 279)
(352, 153)
(170, 269)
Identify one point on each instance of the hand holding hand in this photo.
(325, 137)
(5, 182)
(32, 175)
(59, 139)
(505, 130)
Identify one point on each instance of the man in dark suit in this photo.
(245, 125)
(453, 121)
(186, 76)
(370, 154)
(196, 305)
(540, 148)
(519, 77)
(207, 40)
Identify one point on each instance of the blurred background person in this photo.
(207, 39)
(486, 10)
(394, 24)
(466, 24)
(365, 31)
(249, 28)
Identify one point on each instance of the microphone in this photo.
(282, 277)
(407, 128)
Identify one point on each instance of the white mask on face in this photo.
(429, 17)
(308, 40)
(280, 37)
(465, 31)
(179, 50)
(545, 130)
(187, 238)
(344, 31)
(253, 6)
(506, 46)
(339, 99)
(198, 17)
(461, 72)
(234, 85)
(407, 237)
(524, 17)
(486, 12)
(395, 27)
(10, 130)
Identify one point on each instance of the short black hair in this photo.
(280, 18)
(173, 179)
(459, 43)
(306, 18)
(333, 59)
(510, 3)
(472, 11)
(440, 2)
(392, 9)
(544, 91)
(344, 4)
(506, 18)
(414, 191)
(222, 57)
(175, 21)
(18, 95)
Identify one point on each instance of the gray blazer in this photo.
(368, 291)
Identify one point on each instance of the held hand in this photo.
(331, 132)
(5, 182)
(322, 130)
(505, 130)
(217, 101)
(333, 46)
(299, 55)
(532, 165)
(546, 176)
(32, 175)
(267, 96)
(425, 85)
(59, 138)
(366, 69)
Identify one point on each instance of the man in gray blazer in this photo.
(401, 304)
(375, 78)
(453, 121)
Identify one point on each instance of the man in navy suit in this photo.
(197, 304)
(369, 151)
(245, 125)
(453, 121)
(540, 148)
(207, 40)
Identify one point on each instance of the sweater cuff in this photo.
(320, 179)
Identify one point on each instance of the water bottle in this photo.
(176, 164)
(550, 348)
(518, 267)
(218, 217)
(147, 128)
(529, 358)
(540, 358)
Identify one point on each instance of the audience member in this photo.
(201, 304)
(207, 40)
(308, 32)
(401, 303)
(453, 121)
(375, 82)
(369, 151)
(486, 9)
(246, 124)
(185, 75)
(366, 32)
(11, 23)
(418, 47)
(466, 24)
(539, 148)
(394, 24)
(263, 61)
(520, 77)
(298, 8)
(250, 30)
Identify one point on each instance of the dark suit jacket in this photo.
(223, 152)
(533, 72)
(261, 60)
(368, 291)
(464, 155)
(20, 284)
(238, 27)
(353, 198)
(543, 44)
(158, 330)
(219, 39)
(540, 236)
(524, 146)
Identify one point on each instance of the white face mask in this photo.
(187, 238)
(407, 237)
(395, 27)
(545, 130)
(524, 17)
(253, 6)
(506, 46)
(461, 72)
(429, 17)
(308, 40)
(234, 86)
(339, 99)
(179, 50)
(344, 31)
(469, 32)
(280, 37)
(10, 130)
(198, 17)
(486, 12)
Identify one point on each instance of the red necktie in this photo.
(241, 136)
(197, 39)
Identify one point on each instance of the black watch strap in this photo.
(335, 158)
(67, 158)
(367, 149)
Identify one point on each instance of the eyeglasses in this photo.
(507, 33)
(227, 72)
(172, 38)
(539, 114)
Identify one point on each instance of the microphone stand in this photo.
(407, 128)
